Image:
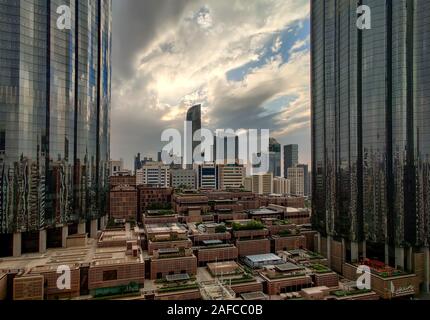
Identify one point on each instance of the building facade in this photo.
(194, 116)
(306, 177)
(370, 128)
(296, 175)
(183, 178)
(274, 157)
(262, 183)
(154, 174)
(281, 186)
(54, 114)
(291, 157)
(231, 176)
(207, 176)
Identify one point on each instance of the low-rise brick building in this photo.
(166, 262)
(123, 203)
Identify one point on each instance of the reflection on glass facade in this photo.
(371, 121)
(54, 113)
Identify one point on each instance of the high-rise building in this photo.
(291, 157)
(371, 128)
(281, 186)
(274, 157)
(231, 176)
(306, 178)
(194, 115)
(137, 163)
(55, 95)
(154, 174)
(207, 176)
(296, 175)
(183, 178)
(262, 183)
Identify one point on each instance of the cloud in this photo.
(171, 54)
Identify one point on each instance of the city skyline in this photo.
(249, 72)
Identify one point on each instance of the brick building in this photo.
(123, 203)
(149, 198)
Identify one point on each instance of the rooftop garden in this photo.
(178, 287)
(251, 225)
(159, 206)
(282, 222)
(285, 275)
(159, 213)
(319, 268)
(344, 293)
(220, 228)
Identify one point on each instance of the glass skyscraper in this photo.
(274, 157)
(371, 127)
(54, 113)
(194, 116)
(291, 157)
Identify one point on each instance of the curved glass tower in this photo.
(54, 113)
(370, 127)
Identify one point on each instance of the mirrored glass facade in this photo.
(54, 113)
(371, 121)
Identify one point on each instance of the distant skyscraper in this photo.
(54, 114)
(296, 175)
(274, 157)
(371, 128)
(306, 178)
(194, 115)
(137, 163)
(291, 157)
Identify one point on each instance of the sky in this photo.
(246, 61)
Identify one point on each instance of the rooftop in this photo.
(165, 228)
(263, 258)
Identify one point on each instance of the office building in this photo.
(262, 183)
(305, 178)
(296, 175)
(274, 157)
(154, 174)
(231, 176)
(194, 116)
(54, 117)
(291, 157)
(247, 183)
(370, 130)
(180, 178)
(281, 186)
(207, 176)
(115, 167)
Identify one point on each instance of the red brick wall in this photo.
(175, 266)
(253, 247)
(180, 296)
(326, 279)
(123, 204)
(217, 254)
(168, 245)
(247, 287)
(289, 243)
(133, 272)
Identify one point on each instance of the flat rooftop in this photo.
(263, 211)
(263, 258)
(254, 296)
(165, 228)
(73, 257)
(288, 267)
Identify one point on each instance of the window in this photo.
(110, 275)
